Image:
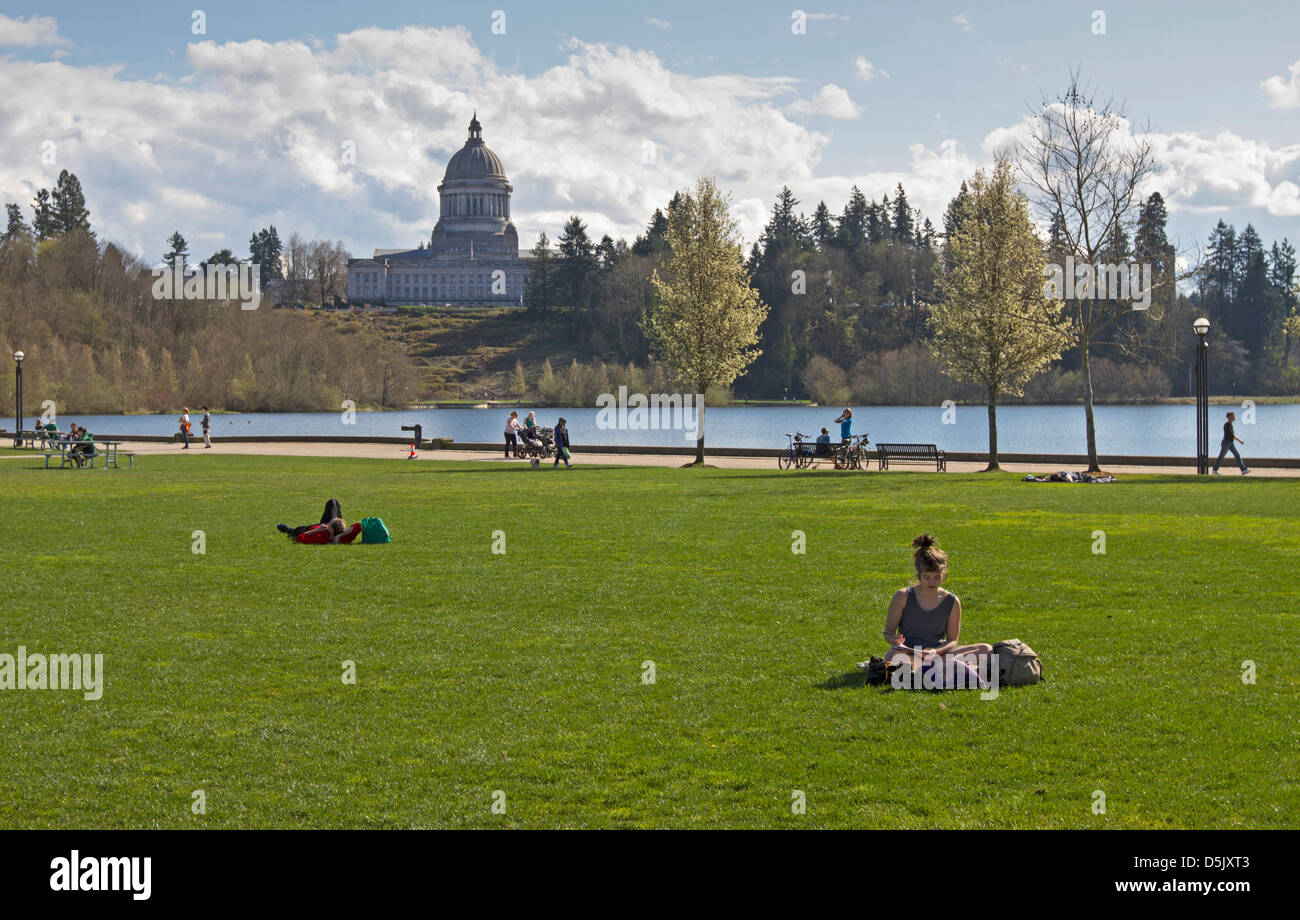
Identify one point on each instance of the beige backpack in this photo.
(1017, 663)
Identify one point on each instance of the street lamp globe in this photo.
(1201, 326)
(18, 356)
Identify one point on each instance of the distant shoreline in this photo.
(734, 404)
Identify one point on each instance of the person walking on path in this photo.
(185, 427)
(561, 445)
(1230, 442)
(206, 424)
(512, 431)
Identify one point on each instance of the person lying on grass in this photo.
(924, 620)
(331, 529)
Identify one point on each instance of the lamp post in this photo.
(1202, 326)
(18, 398)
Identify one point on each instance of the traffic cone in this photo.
(411, 456)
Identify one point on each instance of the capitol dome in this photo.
(474, 160)
(474, 203)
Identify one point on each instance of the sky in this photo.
(336, 120)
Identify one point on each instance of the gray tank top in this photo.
(926, 628)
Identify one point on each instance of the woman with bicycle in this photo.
(924, 620)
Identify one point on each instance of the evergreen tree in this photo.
(952, 221)
(221, 257)
(607, 253)
(575, 264)
(264, 250)
(177, 249)
(823, 226)
(878, 228)
(1218, 279)
(956, 207)
(785, 230)
(853, 221)
(45, 223)
(904, 225)
(654, 239)
(539, 295)
(17, 225)
(1150, 243)
(925, 237)
(69, 205)
(1282, 269)
(1254, 308)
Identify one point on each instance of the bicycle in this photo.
(797, 453)
(851, 454)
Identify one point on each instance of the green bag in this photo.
(565, 452)
(374, 531)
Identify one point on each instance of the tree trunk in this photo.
(1093, 465)
(993, 437)
(699, 432)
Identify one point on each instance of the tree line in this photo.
(851, 295)
(98, 341)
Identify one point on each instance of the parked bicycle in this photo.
(798, 452)
(852, 454)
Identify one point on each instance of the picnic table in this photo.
(66, 449)
(31, 438)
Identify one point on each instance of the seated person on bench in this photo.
(824, 443)
(85, 448)
(331, 528)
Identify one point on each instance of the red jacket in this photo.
(321, 534)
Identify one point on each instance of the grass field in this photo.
(522, 672)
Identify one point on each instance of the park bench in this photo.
(911, 453)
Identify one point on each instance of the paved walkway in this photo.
(398, 451)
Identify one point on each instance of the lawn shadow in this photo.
(855, 679)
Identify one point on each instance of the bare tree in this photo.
(297, 268)
(328, 265)
(1087, 169)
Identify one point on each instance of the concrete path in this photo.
(398, 452)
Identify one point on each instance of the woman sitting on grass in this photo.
(924, 620)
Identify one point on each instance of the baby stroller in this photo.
(541, 447)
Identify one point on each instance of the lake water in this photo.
(1150, 430)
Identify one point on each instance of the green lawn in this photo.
(523, 672)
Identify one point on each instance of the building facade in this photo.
(473, 253)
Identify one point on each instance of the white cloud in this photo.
(830, 100)
(1198, 174)
(659, 23)
(840, 16)
(962, 21)
(254, 133)
(32, 32)
(867, 71)
(1283, 94)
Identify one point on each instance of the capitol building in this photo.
(472, 258)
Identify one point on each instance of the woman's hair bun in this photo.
(924, 541)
